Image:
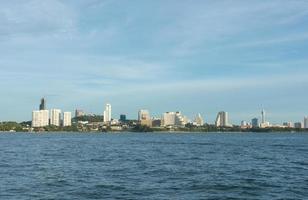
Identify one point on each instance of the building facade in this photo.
(255, 123)
(79, 113)
(107, 113)
(198, 120)
(222, 119)
(55, 117)
(40, 118)
(298, 125)
(306, 122)
(67, 119)
(122, 118)
(174, 119)
(144, 118)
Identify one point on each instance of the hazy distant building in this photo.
(222, 119)
(55, 117)
(263, 120)
(306, 122)
(288, 124)
(156, 122)
(264, 123)
(40, 118)
(174, 119)
(67, 119)
(298, 125)
(144, 118)
(43, 104)
(244, 123)
(107, 113)
(122, 118)
(79, 113)
(198, 120)
(255, 123)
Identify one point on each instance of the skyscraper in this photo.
(40, 118)
(122, 118)
(144, 118)
(174, 119)
(263, 120)
(67, 119)
(244, 123)
(306, 122)
(298, 125)
(79, 113)
(55, 117)
(199, 120)
(107, 113)
(222, 119)
(255, 123)
(43, 104)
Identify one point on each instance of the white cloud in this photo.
(35, 17)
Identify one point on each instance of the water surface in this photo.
(154, 166)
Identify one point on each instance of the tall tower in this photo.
(144, 118)
(43, 104)
(55, 117)
(306, 122)
(107, 113)
(222, 119)
(263, 116)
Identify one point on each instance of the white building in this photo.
(55, 117)
(107, 113)
(298, 125)
(288, 124)
(264, 123)
(67, 119)
(174, 119)
(40, 118)
(144, 118)
(222, 119)
(306, 122)
(199, 120)
(244, 123)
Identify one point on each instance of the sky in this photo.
(164, 55)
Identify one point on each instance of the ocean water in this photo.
(154, 166)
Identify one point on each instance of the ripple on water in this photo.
(154, 166)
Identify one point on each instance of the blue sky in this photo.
(193, 56)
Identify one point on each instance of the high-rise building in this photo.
(263, 120)
(40, 118)
(306, 122)
(43, 104)
(122, 118)
(199, 120)
(288, 124)
(107, 113)
(156, 122)
(67, 119)
(255, 123)
(144, 118)
(55, 117)
(298, 125)
(222, 119)
(174, 119)
(264, 123)
(79, 113)
(244, 123)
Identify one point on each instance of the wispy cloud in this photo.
(35, 18)
(160, 53)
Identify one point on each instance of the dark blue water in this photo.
(154, 166)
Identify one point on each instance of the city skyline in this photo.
(162, 56)
(41, 117)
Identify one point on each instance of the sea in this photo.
(153, 166)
